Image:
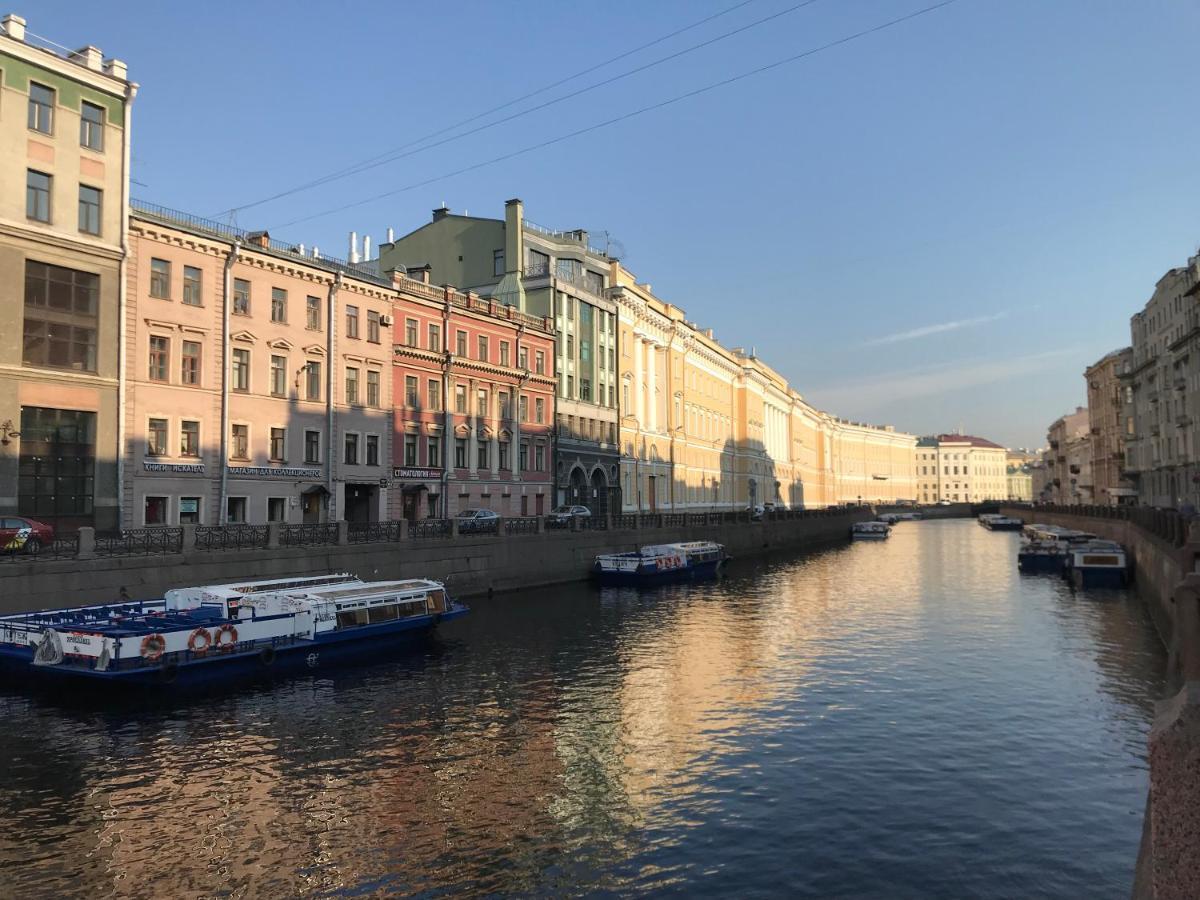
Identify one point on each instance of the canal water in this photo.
(908, 718)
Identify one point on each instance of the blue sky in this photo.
(938, 225)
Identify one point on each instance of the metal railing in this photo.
(140, 542)
(521, 525)
(1168, 524)
(231, 537)
(429, 528)
(373, 532)
(65, 547)
(310, 535)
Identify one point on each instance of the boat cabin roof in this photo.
(235, 589)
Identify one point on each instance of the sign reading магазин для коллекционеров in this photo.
(274, 472)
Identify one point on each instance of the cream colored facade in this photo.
(705, 427)
(63, 196)
(961, 468)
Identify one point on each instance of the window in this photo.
(278, 305)
(410, 391)
(523, 407)
(160, 354)
(497, 262)
(241, 370)
(481, 402)
(37, 196)
(41, 108)
(612, 396)
(189, 510)
(160, 279)
(91, 126)
(278, 444)
(372, 388)
(539, 362)
(313, 377)
(89, 209)
(483, 347)
(570, 347)
(352, 386)
(434, 391)
(276, 509)
(60, 317)
(503, 445)
(434, 451)
(536, 263)
(372, 449)
(156, 438)
(570, 300)
(235, 510)
(523, 459)
(594, 281)
(483, 454)
(435, 337)
(585, 349)
(539, 458)
(505, 407)
(373, 327)
(192, 281)
(155, 511)
(460, 453)
(278, 376)
(241, 297)
(460, 398)
(539, 410)
(585, 389)
(189, 438)
(240, 448)
(461, 343)
(410, 332)
(571, 386)
(410, 449)
(312, 448)
(351, 321)
(351, 457)
(312, 309)
(523, 358)
(504, 353)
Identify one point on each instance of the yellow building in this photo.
(704, 427)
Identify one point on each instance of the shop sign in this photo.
(273, 472)
(189, 504)
(174, 468)
(413, 474)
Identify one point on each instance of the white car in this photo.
(561, 516)
(475, 520)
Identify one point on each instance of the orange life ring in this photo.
(225, 631)
(201, 639)
(153, 647)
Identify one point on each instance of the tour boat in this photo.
(661, 563)
(1003, 523)
(870, 531)
(1096, 564)
(1046, 547)
(223, 631)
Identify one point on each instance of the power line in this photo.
(352, 169)
(632, 113)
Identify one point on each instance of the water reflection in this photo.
(897, 719)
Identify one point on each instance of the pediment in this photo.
(244, 337)
(159, 323)
(314, 350)
(462, 431)
(281, 344)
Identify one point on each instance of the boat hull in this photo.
(868, 536)
(1041, 563)
(1087, 577)
(651, 577)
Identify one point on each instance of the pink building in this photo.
(473, 388)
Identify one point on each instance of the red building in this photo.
(473, 394)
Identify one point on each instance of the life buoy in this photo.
(226, 637)
(200, 640)
(153, 647)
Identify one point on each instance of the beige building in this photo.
(1111, 421)
(961, 468)
(259, 379)
(64, 129)
(1069, 459)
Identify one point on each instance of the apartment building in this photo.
(65, 131)
(1069, 459)
(961, 468)
(474, 391)
(1111, 421)
(259, 382)
(546, 274)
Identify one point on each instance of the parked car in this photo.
(476, 520)
(19, 534)
(561, 516)
(756, 512)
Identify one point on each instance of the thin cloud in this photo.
(927, 330)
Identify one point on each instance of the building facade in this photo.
(259, 383)
(62, 208)
(1069, 459)
(1111, 421)
(545, 274)
(474, 409)
(961, 468)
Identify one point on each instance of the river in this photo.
(909, 718)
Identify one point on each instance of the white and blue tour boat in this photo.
(870, 531)
(224, 631)
(661, 563)
(1097, 563)
(1045, 548)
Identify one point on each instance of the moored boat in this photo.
(661, 563)
(870, 531)
(1003, 523)
(222, 632)
(1097, 563)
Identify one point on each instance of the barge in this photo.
(222, 632)
(1097, 564)
(870, 531)
(661, 564)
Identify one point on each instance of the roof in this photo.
(967, 439)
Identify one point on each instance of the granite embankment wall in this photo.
(1165, 550)
(469, 564)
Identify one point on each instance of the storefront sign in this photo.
(174, 468)
(273, 472)
(410, 474)
(189, 504)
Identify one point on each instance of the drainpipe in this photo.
(447, 421)
(524, 377)
(331, 453)
(226, 308)
(122, 304)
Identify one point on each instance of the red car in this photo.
(19, 534)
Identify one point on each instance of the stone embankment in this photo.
(144, 563)
(1165, 551)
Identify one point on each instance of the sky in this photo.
(936, 225)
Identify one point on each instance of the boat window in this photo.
(413, 607)
(353, 617)
(383, 613)
(437, 601)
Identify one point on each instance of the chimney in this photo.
(440, 213)
(316, 252)
(391, 236)
(117, 69)
(259, 239)
(300, 249)
(352, 257)
(89, 56)
(14, 26)
(366, 248)
(514, 235)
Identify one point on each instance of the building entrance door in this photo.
(312, 506)
(408, 502)
(653, 494)
(359, 504)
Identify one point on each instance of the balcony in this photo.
(1152, 396)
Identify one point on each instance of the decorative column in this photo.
(472, 429)
(638, 412)
(652, 387)
(494, 440)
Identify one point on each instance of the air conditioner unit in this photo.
(385, 320)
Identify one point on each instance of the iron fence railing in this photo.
(429, 528)
(65, 547)
(309, 535)
(140, 542)
(521, 525)
(231, 537)
(373, 532)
